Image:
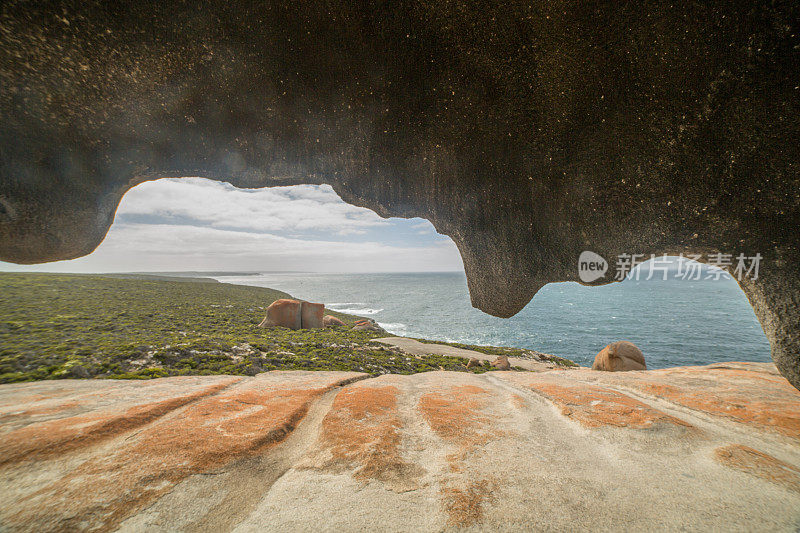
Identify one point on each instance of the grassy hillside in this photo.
(79, 326)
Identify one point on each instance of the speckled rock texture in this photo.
(526, 131)
(285, 313)
(619, 356)
(694, 448)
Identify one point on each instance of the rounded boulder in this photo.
(619, 356)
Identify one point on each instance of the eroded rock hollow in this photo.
(527, 132)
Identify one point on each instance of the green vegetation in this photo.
(81, 326)
(509, 352)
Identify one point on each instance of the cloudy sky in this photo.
(197, 224)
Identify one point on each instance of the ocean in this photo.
(675, 322)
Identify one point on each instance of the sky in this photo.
(194, 224)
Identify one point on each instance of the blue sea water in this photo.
(675, 322)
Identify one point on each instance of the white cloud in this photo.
(196, 224)
(276, 209)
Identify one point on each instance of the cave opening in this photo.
(523, 135)
(306, 241)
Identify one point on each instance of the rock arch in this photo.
(527, 132)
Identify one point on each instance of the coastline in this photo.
(675, 323)
(59, 326)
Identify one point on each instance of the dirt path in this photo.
(414, 347)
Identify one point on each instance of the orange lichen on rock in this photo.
(38, 412)
(748, 397)
(764, 412)
(242, 420)
(518, 401)
(465, 506)
(455, 415)
(55, 437)
(594, 406)
(756, 463)
(362, 432)
(502, 450)
(458, 416)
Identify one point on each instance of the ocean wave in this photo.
(343, 304)
(356, 311)
(395, 329)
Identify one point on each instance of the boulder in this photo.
(474, 363)
(619, 356)
(294, 314)
(311, 315)
(285, 313)
(367, 325)
(330, 321)
(501, 363)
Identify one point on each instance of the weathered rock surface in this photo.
(698, 448)
(312, 315)
(330, 320)
(501, 363)
(294, 314)
(284, 313)
(367, 325)
(526, 131)
(619, 356)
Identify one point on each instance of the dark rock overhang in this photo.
(526, 132)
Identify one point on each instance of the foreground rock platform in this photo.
(698, 448)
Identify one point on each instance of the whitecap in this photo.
(365, 311)
(395, 329)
